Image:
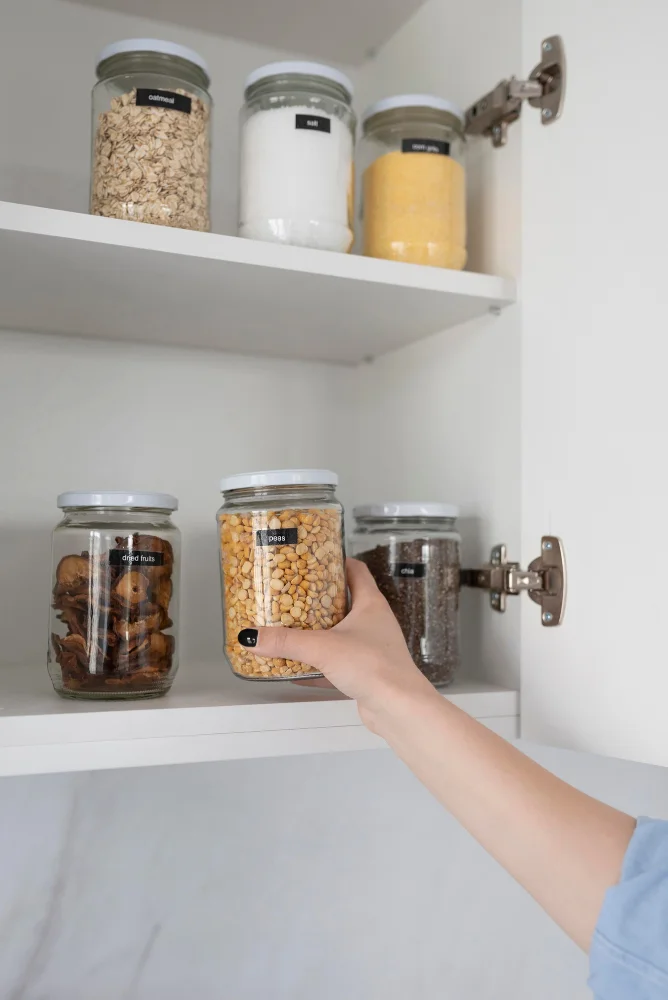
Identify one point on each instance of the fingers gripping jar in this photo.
(114, 604)
(282, 561)
(412, 550)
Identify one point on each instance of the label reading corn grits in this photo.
(129, 557)
(281, 536)
(163, 99)
(425, 146)
(410, 571)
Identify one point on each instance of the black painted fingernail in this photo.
(248, 637)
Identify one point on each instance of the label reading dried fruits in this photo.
(409, 570)
(163, 99)
(425, 146)
(281, 536)
(126, 557)
(316, 123)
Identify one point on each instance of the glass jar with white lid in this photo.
(296, 170)
(413, 553)
(282, 562)
(115, 595)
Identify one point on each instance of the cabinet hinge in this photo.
(544, 580)
(545, 89)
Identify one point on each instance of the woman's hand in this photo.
(364, 656)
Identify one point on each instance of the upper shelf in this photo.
(209, 716)
(131, 281)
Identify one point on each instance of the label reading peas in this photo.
(425, 146)
(410, 571)
(163, 99)
(129, 557)
(316, 123)
(281, 536)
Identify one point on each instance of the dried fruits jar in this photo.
(282, 561)
(414, 198)
(297, 137)
(114, 605)
(151, 134)
(412, 550)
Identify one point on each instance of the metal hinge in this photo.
(544, 580)
(545, 89)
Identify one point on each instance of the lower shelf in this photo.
(208, 716)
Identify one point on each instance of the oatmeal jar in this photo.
(151, 135)
(282, 561)
(114, 604)
(414, 197)
(412, 550)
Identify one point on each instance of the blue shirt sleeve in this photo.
(629, 951)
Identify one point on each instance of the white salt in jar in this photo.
(297, 139)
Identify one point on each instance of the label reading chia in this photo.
(316, 123)
(279, 536)
(163, 99)
(130, 557)
(425, 146)
(409, 570)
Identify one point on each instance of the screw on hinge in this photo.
(546, 113)
(547, 617)
(547, 546)
(547, 46)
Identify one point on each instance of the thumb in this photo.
(308, 646)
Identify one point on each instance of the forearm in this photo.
(564, 847)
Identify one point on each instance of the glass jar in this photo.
(151, 135)
(412, 550)
(282, 561)
(296, 171)
(414, 192)
(114, 608)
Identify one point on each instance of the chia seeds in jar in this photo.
(413, 553)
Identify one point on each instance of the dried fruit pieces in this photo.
(115, 609)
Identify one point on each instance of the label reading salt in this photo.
(163, 99)
(129, 557)
(316, 123)
(425, 146)
(410, 571)
(281, 536)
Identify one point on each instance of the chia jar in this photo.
(413, 553)
(114, 604)
(282, 562)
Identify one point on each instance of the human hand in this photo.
(364, 656)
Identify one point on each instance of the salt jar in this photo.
(296, 171)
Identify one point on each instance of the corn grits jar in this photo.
(282, 561)
(414, 190)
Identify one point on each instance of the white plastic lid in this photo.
(413, 101)
(152, 45)
(116, 498)
(279, 477)
(306, 68)
(406, 510)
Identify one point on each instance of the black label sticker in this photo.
(314, 122)
(411, 571)
(425, 146)
(279, 536)
(163, 99)
(130, 557)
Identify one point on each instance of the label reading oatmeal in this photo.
(163, 99)
(425, 146)
(316, 123)
(410, 571)
(128, 557)
(281, 536)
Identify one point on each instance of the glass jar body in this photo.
(416, 564)
(282, 563)
(151, 141)
(414, 188)
(296, 169)
(114, 607)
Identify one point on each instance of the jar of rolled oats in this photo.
(282, 561)
(151, 135)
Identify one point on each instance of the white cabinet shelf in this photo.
(209, 716)
(129, 281)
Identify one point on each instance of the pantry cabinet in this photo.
(138, 357)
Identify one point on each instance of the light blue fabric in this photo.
(629, 952)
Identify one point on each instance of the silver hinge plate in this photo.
(544, 580)
(545, 89)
